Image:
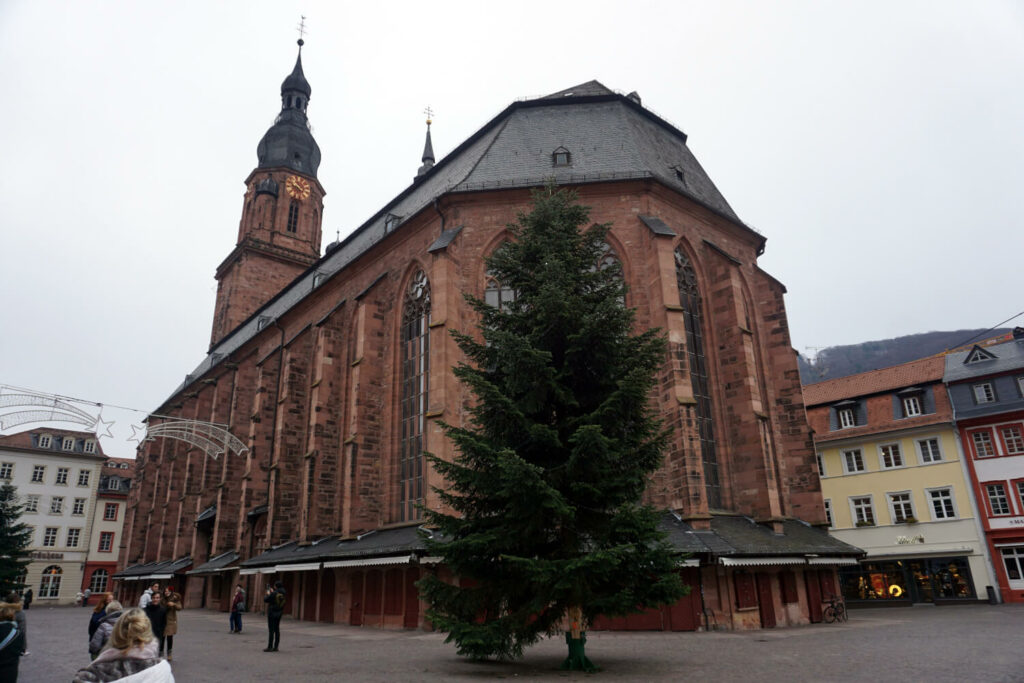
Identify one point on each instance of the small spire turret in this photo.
(428, 147)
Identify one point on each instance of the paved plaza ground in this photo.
(962, 643)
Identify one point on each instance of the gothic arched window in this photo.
(497, 294)
(293, 216)
(689, 297)
(415, 350)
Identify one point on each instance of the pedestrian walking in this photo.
(86, 594)
(78, 599)
(27, 595)
(99, 612)
(19, 620)
(131, 651)
(11, 642)
(237, 607)
(172, 601)
(157, 613)
(274, 599)
(147, 595)
(104, 627)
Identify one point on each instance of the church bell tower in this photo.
(279, 233)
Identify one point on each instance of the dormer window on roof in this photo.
(263, 321)
(680, 175)
(978, 355)
(68, 443)
(90, 446)
(561, 157)
(45, 441)
(391, 222)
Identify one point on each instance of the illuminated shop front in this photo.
(908, 580)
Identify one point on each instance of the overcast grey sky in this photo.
(878, 145)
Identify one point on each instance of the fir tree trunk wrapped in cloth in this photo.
(547, 529)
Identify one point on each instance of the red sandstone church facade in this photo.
(334, 370)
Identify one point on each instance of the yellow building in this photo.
(893, 482)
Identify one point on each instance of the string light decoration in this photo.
(20, 406)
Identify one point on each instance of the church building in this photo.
(333, 370)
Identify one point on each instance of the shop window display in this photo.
(913, 580)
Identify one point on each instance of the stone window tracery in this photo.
(415, 371)
(689, 297)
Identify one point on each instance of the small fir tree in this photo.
(548, 477)
(15, 537)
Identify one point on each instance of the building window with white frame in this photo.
(90, 446)
(38, 473)
(56, 505)
(821, 464)
(45, 441)
(998, 503)
(983, 446)
(984, 393)
(32, 503)
(828, 514)
(911, 406)
(110, 512)
(1013, 442)
(1013, 560)
(68, 444)
(929, 450)
(50, 536)
(78, 508)
(853, 461)
(901, 507)
(847, 418)
(83, 477)
(62, 475)
(49, 584)
(74, 535)
(6, 470)
(106, 541)
(863, 511)
(98, 581)
(114, 484)
(891, 456)
(942, 503)
(1020, 385)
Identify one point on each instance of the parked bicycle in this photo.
(835, 610)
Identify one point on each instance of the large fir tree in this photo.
(546, 485)
(15, 537)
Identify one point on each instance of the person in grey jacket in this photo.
(19, 619)
(106, 627)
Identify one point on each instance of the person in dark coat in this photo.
(157, 613)
(237, 607)
(99, 612)
(12, 642)
(274, 599)
(27, 595)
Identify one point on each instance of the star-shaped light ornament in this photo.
(103, 425)
(139, 434)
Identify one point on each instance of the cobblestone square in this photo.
(962, 643)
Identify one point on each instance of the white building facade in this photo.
(56, 473)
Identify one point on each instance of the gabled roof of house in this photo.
(1007, 357)
(924, 371)
(609, 136)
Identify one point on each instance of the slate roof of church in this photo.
(609, 136)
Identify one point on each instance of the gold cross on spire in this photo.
(430, 114)
(301, 28)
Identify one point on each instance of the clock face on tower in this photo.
(298, 188)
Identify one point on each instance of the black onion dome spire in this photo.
(289, 142)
